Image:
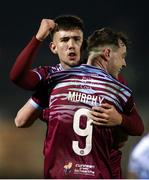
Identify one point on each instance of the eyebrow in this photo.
(70, 37)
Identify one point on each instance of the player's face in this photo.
(67, 44)
(117, 60)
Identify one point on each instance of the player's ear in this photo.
(106, 53)
(53, 47)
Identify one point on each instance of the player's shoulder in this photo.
(122, 79)
(49, 69)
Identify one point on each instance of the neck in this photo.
(65, 66)
(99, 63)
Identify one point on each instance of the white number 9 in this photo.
(82, 132)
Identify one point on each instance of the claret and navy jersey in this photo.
(74, 147)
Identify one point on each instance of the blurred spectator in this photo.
(138, 166)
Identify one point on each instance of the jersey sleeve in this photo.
(129, 105)
(21, 73)
(132, 122)
(42, 71)
(40, 97)
(44, 116)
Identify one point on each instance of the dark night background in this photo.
(19, 21)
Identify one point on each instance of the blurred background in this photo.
(21, 149)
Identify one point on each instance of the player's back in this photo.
(75, 147)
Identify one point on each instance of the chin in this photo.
(115, 76)
(75, 63)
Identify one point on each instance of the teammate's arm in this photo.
(107, 115)
(27, 114)
(133, 123)
(33, 109)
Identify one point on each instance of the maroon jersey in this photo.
(116, 154)
(44, 71)
(21, 72)
(74, 147)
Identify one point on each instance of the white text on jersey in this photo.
(85, 98)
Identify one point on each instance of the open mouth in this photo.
(72, 55)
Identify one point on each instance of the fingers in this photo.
(97, 119)
(106, 106)
(56, 26)
(99, 109)
(46, 26)
(101, 124)
(99, 114)
(51, 24)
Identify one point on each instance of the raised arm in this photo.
(21, 73)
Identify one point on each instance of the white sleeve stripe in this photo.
(34, 104)
(40, 77)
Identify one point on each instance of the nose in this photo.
(71, 44)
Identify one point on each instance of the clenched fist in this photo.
(46, 26)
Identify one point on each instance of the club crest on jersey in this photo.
(68, 167)
(84, 82)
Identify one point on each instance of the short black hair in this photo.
(67, 22)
